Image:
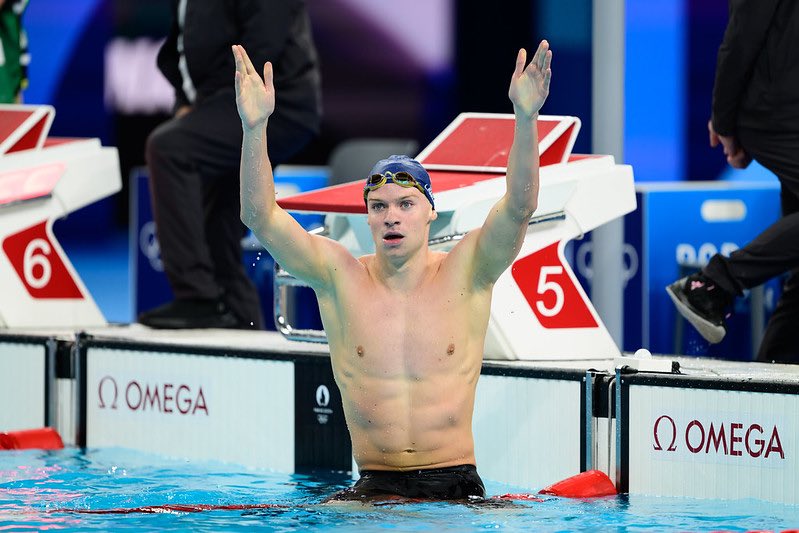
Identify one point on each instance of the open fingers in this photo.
(540, 55)
(714, 138)
(521, 59)
(240, 68)
(248, 66)
(547, 61)
(268, 74)
(541, 60)
(547, 77)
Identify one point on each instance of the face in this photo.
(399, 218)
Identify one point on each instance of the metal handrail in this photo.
(282, 281)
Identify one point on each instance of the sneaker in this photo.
(190, 314)
(703, 303)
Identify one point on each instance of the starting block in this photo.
(539, 309)
(43, 179)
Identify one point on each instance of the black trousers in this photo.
(194, 183)
(773, 252)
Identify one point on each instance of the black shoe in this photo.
(190, 314)
(703, 303)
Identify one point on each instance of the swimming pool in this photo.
(36, 487)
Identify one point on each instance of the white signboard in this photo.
(231, 409)
(708, 443)
(527, 430)
(21, 386)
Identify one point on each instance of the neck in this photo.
(402, 273)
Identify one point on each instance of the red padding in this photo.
(42, 439)
(584, 485)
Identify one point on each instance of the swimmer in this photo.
(406, 325)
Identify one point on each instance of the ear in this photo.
(433, 216)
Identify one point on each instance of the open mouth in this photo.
(392, 237)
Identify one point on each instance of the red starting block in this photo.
(41, 180)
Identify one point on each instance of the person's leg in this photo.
(703, 298)
(781, 339)
(224, 230)
(773, 252)
(185, 156)
(176, 194)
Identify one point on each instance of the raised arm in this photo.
(499, 240)
(294, 248)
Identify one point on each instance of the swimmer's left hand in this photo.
(529, 87)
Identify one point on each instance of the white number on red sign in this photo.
(36, 255)
(544, 286)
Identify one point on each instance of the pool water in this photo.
(40, 491)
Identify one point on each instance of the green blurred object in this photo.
(14, 56)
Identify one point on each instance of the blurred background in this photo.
(389, 69)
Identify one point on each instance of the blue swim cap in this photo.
(402, 163)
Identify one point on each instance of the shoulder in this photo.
(366, 260)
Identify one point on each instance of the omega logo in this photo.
(112, 386)
(163, 398)
(732, 439)
(670, 421)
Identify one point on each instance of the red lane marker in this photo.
(202, 507)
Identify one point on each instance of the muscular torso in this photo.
(407, 363)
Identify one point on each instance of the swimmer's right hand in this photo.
(255, 97)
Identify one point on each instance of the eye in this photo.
(377, 206)
(405, 204)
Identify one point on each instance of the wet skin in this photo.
(406, 326)
(406, 350)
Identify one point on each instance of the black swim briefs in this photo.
(451, 483)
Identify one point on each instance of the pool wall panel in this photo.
(527, 431)
(706, 442)
(23, 390)
(219, 408)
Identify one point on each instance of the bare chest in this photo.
(409, 336)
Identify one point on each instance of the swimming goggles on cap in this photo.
(402, 178)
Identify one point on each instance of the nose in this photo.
(391, 217)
